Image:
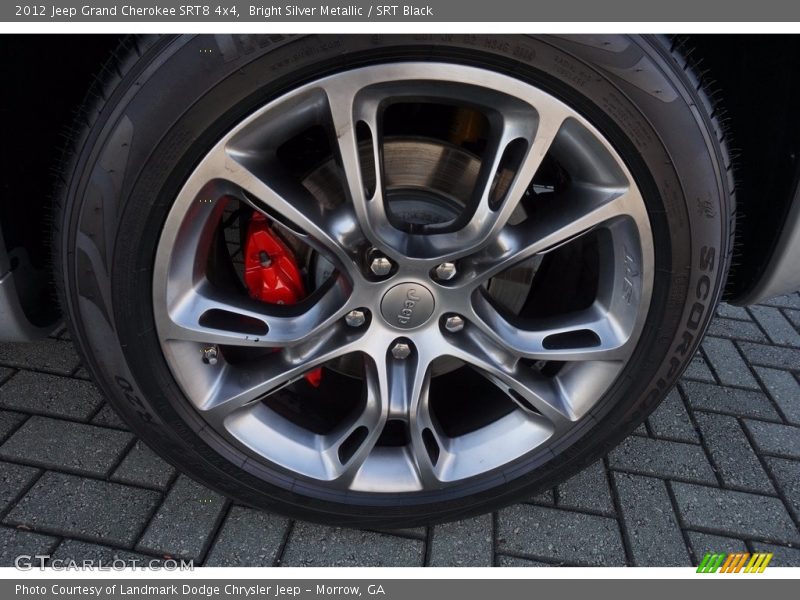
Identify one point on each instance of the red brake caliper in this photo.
(271, 272)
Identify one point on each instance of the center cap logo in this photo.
(407, 305)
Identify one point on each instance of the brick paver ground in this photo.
(715, 468)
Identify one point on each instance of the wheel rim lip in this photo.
(188, 194)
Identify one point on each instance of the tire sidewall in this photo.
(178, 100)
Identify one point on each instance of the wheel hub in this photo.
(407, 305)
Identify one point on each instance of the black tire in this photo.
(161, 102)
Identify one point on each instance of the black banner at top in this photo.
(464, 11)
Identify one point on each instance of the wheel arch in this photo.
(751, 80)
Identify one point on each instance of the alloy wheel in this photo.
(515, 262)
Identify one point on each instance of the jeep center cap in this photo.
(407, 305)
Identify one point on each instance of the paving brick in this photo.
(783, 556)
(697, 369)
(249, 538)
(9, 421)
(735, 459)
(588, 490)
(143, 467)
(771, 438)
(732, 312)
(778, 328)
(65, 445)
(662, 459)
(5, 373)
(560, 535)
(15, 542)
(87, 508)
(787, 475)
(76, 550)
(183, 525)
(653, 532)
(737, 330)
(513, 561)
(54, 356)
(787, 301)
(765, 356)
(641, 430)
(727, 363)
(703, 543)
(466, 543)
(108, 417)
(14, 479)
(784, 390)
(319, 546)
(671, 420)
(50, 395)
(729, 400)
(734, 513)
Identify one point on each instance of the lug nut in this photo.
(401, 350)
(380, 266)
(454, 323)
(211, 355)
(446, 271)
(355, 318)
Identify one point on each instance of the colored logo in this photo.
(744, 562)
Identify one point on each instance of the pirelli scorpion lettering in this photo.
(700, 302)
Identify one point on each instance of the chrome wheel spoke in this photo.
(350, 444)
(350, 116)
(533, 393)
(563, 220)
(591, 334)
(426, 442)
(331, 232)
(406, 385)
(206, 315)
(236, 388)
(535, 132)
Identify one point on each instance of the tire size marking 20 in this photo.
(30, 10)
